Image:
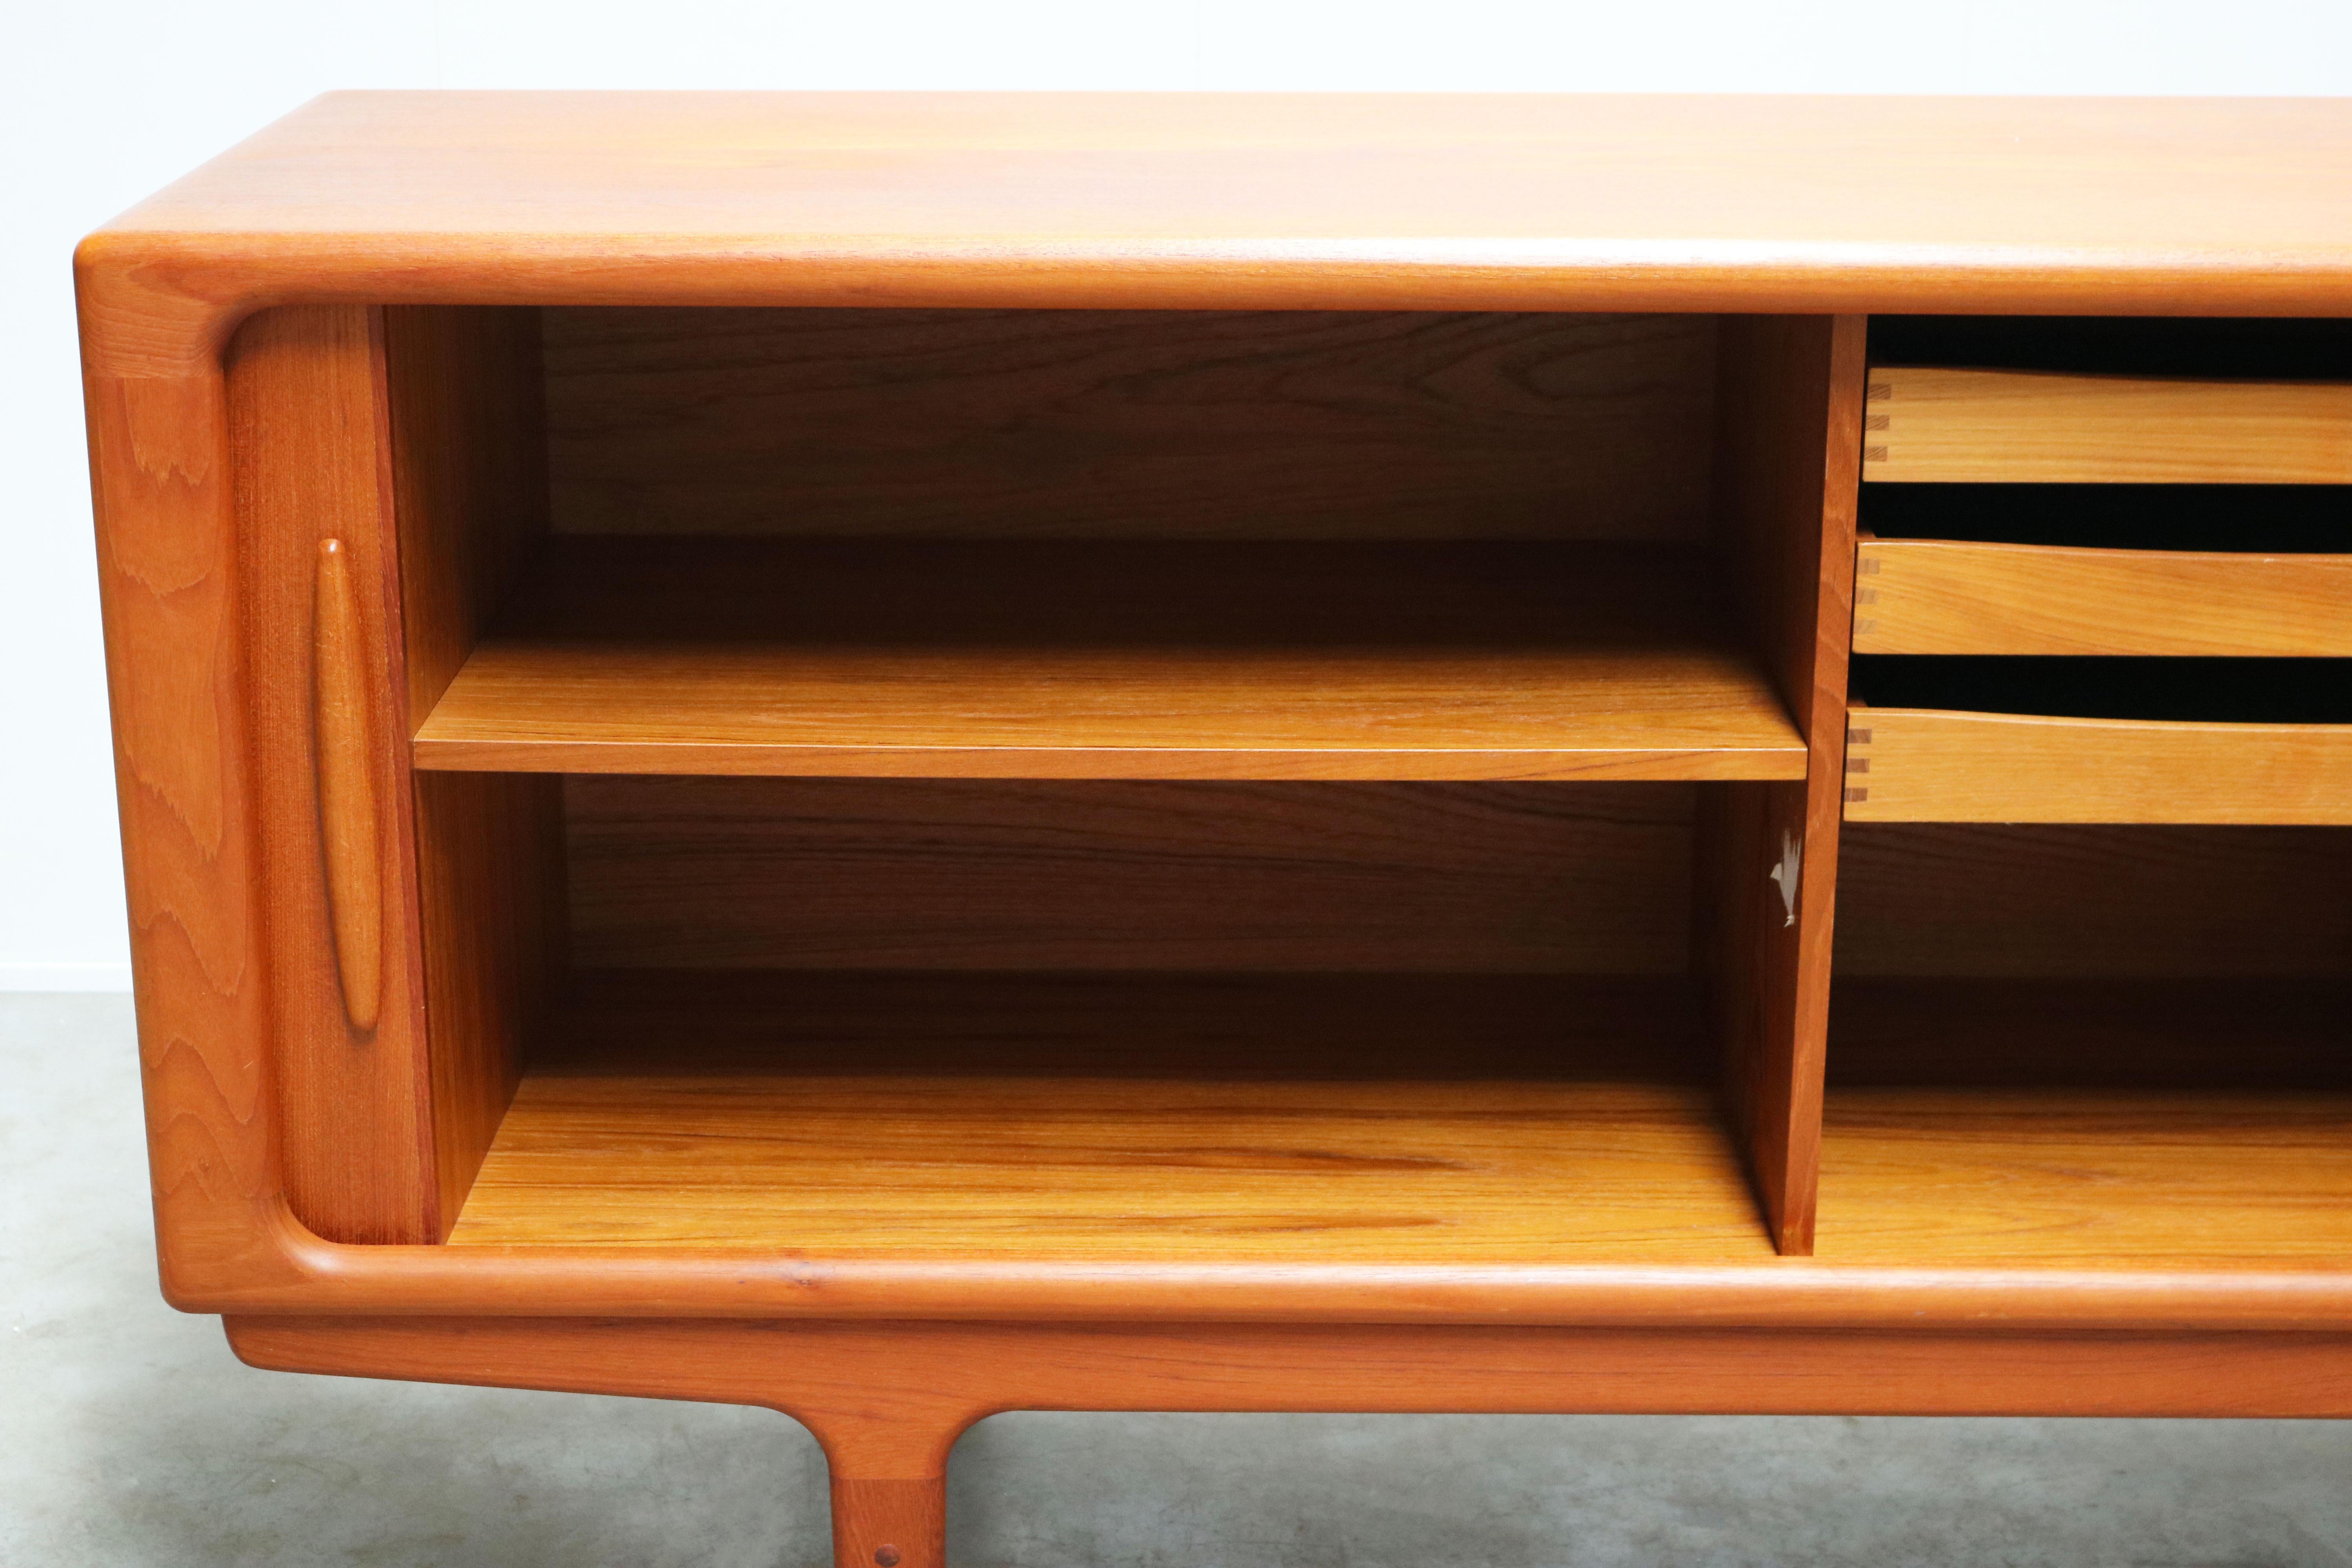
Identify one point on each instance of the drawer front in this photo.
(1983, 426)
(1945, 596)
(1916, 764)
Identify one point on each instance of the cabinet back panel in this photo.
(977, 875)
(2068, 900)
(1093, 424)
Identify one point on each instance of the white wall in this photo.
(100, 103)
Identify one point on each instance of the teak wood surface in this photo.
(2037, 900)
(377, 324)
(1936, 425)
(2120, 206)
(1347, 424)
(1126, 875)
(1393, 1119)
(1790, 406)
(348, 1009)
(1275, 1118)
(1918, 764)
(236, 1236)
(1933, 595)
(887, 1401)
(1112, 660)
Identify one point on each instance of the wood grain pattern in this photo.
(1932, 596)
(165, 485)
(1463, 661)
(486, 878)
(1366, 1120)
(348, 816)
(2143, 903)
(2113, 1177)
(2012, 1121)
(489, 868)
(1194, 425)
(1785, 488)
(466, 391)
(1914, 764)
(348, 1039)
(1052, 1172)
(1612, 202)
(2090, 1122)
(1938, 425)
(1008, 875)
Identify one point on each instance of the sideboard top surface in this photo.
(1832, 204)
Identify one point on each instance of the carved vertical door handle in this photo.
(347, 803)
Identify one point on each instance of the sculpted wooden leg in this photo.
(889, 1486)
(889, 1524)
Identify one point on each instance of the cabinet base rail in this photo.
(887, 1400)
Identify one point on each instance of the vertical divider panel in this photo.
(1787, 468)
(466, 397)
(308, 458)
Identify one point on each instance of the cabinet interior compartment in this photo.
(2093, 949)
(1122, 1020)
(2104, 1047)
(1085, 785)
(1083, 543)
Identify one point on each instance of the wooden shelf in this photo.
(1954, 596)
(2089, 1124)
(1933, 425)
(1068, 660)
(1391, 1120)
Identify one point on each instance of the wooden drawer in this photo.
(1921, 764)
(1928, 596)
(1983, 426)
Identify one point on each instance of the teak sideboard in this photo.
(902, 756)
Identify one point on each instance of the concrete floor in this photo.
(129, 1435)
